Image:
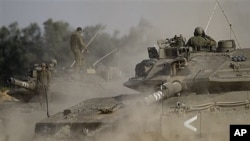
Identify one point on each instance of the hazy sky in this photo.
(170, 16)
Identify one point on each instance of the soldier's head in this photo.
(43, 65)
(53, 62)
(79, 29)
(198, 31)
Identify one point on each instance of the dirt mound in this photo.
(5, 97)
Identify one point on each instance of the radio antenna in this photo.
(230, 25)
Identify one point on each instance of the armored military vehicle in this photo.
(186, 94)
(26, 87)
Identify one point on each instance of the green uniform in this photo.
(200, 41)
(43, 78)
(77, 45)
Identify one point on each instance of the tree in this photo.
(32, 40)
(56, 41)
(12, 50)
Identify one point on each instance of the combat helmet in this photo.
(43, 65)
(79, 29)
(198, 31)
(53, 61)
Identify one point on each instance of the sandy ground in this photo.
(4, 97)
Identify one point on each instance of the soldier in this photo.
(52, 67)
(43, 83)
(77, 45)
(201, 41)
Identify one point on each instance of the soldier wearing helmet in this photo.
(77, 45)
(200, 41)
(52, 66)
(43, 82)
(53, 62)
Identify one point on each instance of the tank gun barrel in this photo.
(168, 90)
(30, 85)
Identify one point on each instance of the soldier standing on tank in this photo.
(43, 84)
(77, 45)
(201, 41)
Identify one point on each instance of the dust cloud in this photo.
(67, 89)
(19, 118)
(179, 18)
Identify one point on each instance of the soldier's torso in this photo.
(43, 77)
(198, 41)
(74, 40)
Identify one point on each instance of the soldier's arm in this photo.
(188, 43)
(82, 43)
(212, 41)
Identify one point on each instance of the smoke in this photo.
(66, 91)
(170, 19)
(69, 89)
(19, 120)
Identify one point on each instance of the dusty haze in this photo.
(168, 18)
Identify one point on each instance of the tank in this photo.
(26, 88)
(185, 94)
